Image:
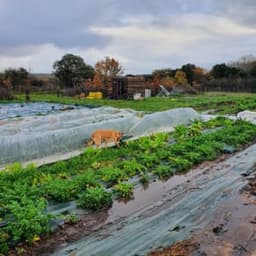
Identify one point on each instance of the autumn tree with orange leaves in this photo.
(97, 81)
(107, 68)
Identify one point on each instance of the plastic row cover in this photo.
(35, 137)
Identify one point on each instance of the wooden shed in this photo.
(127, 87)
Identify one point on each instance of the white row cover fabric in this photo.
(35, 137)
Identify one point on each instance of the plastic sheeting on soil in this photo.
(248, 116)
(183, 209)
(34, 137)
(27, 109)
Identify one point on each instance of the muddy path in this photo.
(198, 204)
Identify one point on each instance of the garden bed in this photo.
(98, 176)
(35, 137)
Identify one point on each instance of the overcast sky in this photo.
(142, 34)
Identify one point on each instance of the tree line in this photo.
(71, 71)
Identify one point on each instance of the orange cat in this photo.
(105, 135)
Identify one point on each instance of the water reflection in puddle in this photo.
(144, 197)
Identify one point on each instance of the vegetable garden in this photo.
(98, 176)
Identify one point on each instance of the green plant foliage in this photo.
(24, 190)
(148, 160)
(4, 238)
(85, 181)
(144, 179)
(95, 198)
(217, 122)
(112, 175)
(179, 163)
(71, 218)
(132, 167)
(180, 132)
(195, 129)
(60, 190)
(28, 219)
(164, 171)
(92, 154)
(123, 190)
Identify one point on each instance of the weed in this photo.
(144, 179)
(71, 218)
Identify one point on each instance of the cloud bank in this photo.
(143, 35)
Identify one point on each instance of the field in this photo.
(218, 103)
(107, 181)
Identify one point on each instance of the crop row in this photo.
(98, 176)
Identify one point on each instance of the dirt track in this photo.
(205, 204)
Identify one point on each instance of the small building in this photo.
(127, 87)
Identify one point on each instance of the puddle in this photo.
(144, 197)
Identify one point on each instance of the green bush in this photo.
(95, 198)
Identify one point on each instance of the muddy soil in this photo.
(183, 248)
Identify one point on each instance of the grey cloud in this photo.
(66, 23)
(63, 23)
(25, 25)
(242, 11)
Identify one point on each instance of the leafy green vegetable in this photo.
(95, 198)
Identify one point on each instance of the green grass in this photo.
(222, 103)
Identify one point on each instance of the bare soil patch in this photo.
(183, 248)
